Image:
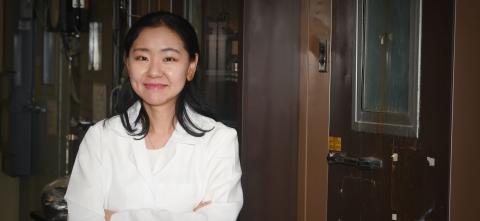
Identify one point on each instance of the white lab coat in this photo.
(112, 172)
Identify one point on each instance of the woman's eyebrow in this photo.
(170, 49)
(162, 50)
(140, 49)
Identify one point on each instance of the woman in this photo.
(161, 158)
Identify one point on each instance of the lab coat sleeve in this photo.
(224, 190)
(85, 192)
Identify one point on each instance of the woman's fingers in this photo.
(108, 215)
(201, 205)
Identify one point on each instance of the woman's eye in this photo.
(141, 58)
(169, 59)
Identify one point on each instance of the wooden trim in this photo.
(302, 116)
(314, 113)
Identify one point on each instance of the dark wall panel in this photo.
(270, 109)
(464, 191)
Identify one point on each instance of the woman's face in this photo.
(158, 66)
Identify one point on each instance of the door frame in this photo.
(314, 111)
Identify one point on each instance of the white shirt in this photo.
(160, 156)
(112, 172)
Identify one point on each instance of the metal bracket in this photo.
(362, 163)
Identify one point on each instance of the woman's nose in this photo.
(156, 68)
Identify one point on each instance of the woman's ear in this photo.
(192, 68)
(125, 67)
(125, 63)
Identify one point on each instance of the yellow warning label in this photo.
(335, 143)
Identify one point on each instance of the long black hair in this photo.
(187, 97)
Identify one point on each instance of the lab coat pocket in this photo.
(175, 197)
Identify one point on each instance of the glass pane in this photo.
(387, 40)
(220, 59)
(143, 7)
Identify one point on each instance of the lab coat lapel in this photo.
(140, 158)
(182, 137)
(178, 142)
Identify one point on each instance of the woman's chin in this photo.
(158, 102)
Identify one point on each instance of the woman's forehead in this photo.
(161, 34)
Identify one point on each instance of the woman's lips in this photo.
(154, 86)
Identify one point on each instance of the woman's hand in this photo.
(108, 215)
(201, 205)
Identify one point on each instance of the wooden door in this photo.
(377, 172)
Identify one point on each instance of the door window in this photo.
(387, 60)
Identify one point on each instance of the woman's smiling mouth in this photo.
(154, 86)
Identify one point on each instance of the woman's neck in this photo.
(162, 121)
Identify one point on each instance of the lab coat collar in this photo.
(179, 139)
(179, 134)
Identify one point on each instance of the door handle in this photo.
(362, 163)
(322, 56)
